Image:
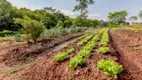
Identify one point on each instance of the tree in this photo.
(82, 7)
(117, 18)
(133, 18)
(7, 13)
(140, 15)
(31, 28)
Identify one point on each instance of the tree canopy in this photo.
(117, 18)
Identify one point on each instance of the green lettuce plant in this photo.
(109, 67)
(103, 50)
(60, 57)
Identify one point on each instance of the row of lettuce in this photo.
(89, 42)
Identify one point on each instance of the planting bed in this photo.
(50, 68)
(129, 45)
(101, 55)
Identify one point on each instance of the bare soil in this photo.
(128, 44)
(125, 45)
(16, 53)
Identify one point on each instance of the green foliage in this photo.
(60, 57)
(85, 40)
(117, 18)
(105, 38)
(109, 67)
(70, 51)
(7, 38)
(62, 31)
(76, 61)
(60, 24)
(74, 41)
(7, 33)
(133, 18)
(31, 28)
(103, 50)
(82, 7)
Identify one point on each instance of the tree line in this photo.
(48, 16)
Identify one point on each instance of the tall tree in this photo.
(133, 18)
(117, 18)
(140, 15)
(82, 7)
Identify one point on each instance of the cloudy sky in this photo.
(99, 10)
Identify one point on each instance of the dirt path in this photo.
(131, 58)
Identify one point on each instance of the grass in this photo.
(8, 38)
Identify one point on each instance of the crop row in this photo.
(89, 42)
(104, 43)
(61, 56)
(78, 60)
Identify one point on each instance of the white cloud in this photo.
(74, 14)
(23, 3)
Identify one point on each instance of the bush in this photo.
(31, 28)
(109, 67)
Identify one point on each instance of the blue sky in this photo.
(99, 10)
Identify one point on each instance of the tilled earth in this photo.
(126, 49)
(129, 45)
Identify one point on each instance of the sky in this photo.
(99, 10)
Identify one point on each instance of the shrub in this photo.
(76, 61)
(60, 57)
(103, 50)
(109, 67)
(31, 28)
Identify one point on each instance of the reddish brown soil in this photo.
(45, 68)
(130, 58)
(19, 53)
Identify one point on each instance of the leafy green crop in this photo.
(103, 50)
(70, 51)
(76, 61)
(109, 67)
(85, 40)
(60, 57)
(105, 39)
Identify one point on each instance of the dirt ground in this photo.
(16, 53)
(45, 68)
(125, 45)
(129, 45)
